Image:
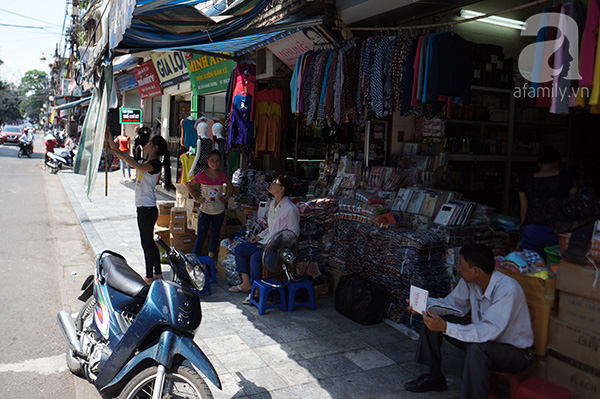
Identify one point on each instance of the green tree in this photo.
(9, 102)
(33, 91)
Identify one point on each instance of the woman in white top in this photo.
(282, 215)
(148, 173)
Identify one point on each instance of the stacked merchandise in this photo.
(393, 259)
(316, 220)
(254, 184)
(181, 238)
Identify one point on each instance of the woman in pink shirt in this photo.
(282, 215)
(213, 202)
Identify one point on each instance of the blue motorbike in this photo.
(133, 340)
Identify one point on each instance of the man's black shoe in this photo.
(426, 383)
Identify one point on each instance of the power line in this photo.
(25, 16)
(29, 27)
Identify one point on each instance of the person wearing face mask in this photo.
(213, 202)
(282, 214)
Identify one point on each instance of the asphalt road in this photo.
(44, 256)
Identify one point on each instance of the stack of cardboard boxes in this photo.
(181, 238)
(574, 346)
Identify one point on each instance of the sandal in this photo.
(247, 300)
(237, 289)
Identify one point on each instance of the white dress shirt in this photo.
(280, 217)
(500, 314)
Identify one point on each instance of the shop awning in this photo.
(237, 46)
(81, 101)
(123, 62)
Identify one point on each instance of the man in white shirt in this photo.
(499, 336)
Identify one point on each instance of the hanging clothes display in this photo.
(220, 145)
(188, 132)
(241, 104)
(203, 148)
(269, 121)
(187, 160)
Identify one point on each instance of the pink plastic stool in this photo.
(536, 388)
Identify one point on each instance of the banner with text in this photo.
(208, 74)
(170, 67)
(147, 81)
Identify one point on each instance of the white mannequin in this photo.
(217, 131)
(202, 129)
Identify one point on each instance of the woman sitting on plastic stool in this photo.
(282, 215)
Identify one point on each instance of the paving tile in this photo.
(293, 373)
(344, 342)
(259, 380)
(277, 354)
(257, 339)
(323, 327)
(334, 365)
(225, 344)
(310, 348)
(325, 389)
(230, 388)
(392, 377)
(213, 329)
(375, 336)
(292, 332)
(369, 358)
(241, 360)
(360, 385)
(399, 351)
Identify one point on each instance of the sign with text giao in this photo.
(170, 67)
(209, 74)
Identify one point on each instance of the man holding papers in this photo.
(498, 336)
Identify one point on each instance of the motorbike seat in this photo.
(120, 276)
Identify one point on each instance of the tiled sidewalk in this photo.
(300, 354)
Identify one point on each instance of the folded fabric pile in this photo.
(316, 220)
(254, 184)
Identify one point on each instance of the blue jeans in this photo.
(536, 237)
(204, 222)
(248, 260)
(123, 164)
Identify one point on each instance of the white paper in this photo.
(418, 299)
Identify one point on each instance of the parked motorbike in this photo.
(25, 149)
(135, 340)
(56, 162)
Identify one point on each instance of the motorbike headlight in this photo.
(197, 276)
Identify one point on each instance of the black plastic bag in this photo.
(359, 300)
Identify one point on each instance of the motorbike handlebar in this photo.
(163, 244)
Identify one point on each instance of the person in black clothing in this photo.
(541, 196)
(138, 145)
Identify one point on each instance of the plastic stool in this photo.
(210, 262)
(513, 379)
(264, 290)
(293, 290)
(536, 388)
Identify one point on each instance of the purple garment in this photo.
(241, 126)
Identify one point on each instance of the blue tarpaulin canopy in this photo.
(81, 101)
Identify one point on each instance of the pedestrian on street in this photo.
(124, 146)
(146, 180)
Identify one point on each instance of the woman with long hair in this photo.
(147, 175)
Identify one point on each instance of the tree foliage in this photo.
(33, 91)
(9, 102)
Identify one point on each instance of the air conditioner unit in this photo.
(267, 64)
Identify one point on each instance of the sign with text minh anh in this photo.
(208, 74)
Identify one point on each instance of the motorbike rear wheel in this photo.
(180, 382)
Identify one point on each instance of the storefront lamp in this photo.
(494, 20)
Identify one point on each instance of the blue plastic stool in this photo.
(293, 288)
(208, 261)
(264, 290)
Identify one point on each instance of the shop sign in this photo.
(209, 74)
(290, 47)
(170, 67)
(126, 82)
(147, 81)
(130, 115)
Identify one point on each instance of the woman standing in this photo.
(146, 180)
(124, 146)
(541, 197)
(282, 215)
(213, 202)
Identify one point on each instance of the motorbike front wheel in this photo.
(20, 153)
(180, 382)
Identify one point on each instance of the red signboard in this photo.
(147, 80)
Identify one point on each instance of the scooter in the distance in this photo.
(25, 144)
(135, 340)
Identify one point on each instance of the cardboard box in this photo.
(181, 194)
(178, 216)
(164, 233)
(575, 342)
(164, 208)
(223, 253)
(178, 230)
(579, 312)
(541, 302)
(321, 290)
(163, 220)
(183, 242)
(577, 279)
(539, 366)
(192, 221)
(334, 278)
(241, 216)
(582, 380)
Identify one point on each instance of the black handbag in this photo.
(360, 300)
